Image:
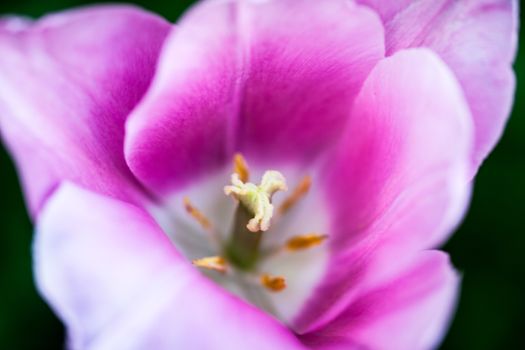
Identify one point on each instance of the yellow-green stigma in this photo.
(257, 199)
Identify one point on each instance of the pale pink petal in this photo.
(477, 39)
(274, 79)
(398, 183)
(411, 311)
(117, 282)
(68, 82)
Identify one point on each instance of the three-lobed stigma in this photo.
(257, 199)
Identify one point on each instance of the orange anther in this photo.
(241, 167)
(300, 191)
(305, 241)
(273, 283)
(215, 263)
(196, 214)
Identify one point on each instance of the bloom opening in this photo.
(241, 254)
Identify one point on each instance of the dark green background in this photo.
(488, 247)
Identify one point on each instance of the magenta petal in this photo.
(398, 183)
(117, 282)
(67, 83)
(307, 62)
(180, 130)
(477, 39)
(273, 79)
(411, 311)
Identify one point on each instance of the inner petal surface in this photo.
(301, 269)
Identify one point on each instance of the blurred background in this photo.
(488, 248)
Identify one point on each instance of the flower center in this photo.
(254, 215)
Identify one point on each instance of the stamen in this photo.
(273, 283)
(305, 241)
(257, 199)
(241, 167)
(196, 214)
(300, 191)
(215, 263)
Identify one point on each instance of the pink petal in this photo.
(477, 39)
(117, 282)
(308, 61)
(68, 82)
(274, 79)
(398, 183)
(411, 311)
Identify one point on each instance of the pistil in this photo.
(242, 248)
(254, 212)
(257, 199)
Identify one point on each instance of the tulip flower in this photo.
(262, 175)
